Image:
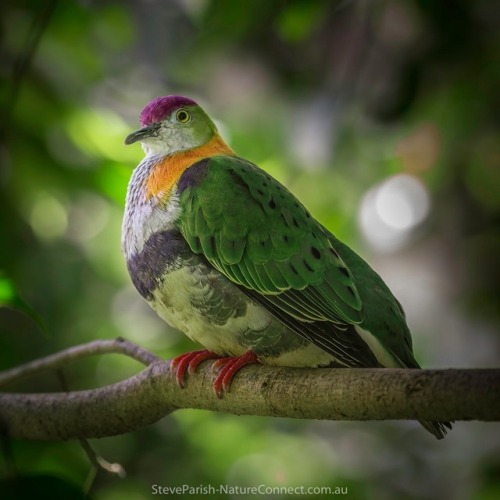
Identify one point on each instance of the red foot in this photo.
(189, 362)
(228, 367)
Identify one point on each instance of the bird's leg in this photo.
(189, 361)
(229, 366)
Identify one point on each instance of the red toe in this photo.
(230, 366)
(189, 362)
(199, 358)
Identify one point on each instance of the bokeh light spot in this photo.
(390, 211)
(48, 217)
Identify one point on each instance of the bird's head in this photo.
(172, 123)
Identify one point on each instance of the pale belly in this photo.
(188, 302)
(216, 314)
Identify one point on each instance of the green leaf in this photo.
(10, 299)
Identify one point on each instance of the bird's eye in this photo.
(182, 116)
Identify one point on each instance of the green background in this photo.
(382, 117)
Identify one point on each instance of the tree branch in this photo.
(117, 346)
(332, 394)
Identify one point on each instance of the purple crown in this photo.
(159, 108)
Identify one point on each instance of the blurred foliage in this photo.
(331, 97)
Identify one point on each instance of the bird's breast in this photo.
(152, 203)
(146, 215)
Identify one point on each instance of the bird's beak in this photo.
(143, 133)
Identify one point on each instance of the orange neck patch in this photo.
(167, 171)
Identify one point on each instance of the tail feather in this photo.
(439, 429)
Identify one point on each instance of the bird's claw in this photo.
(189, 362)
(227, 367)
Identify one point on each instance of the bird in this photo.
(226, 254)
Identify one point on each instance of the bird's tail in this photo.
(439, 429)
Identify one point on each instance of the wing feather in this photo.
(256, 233)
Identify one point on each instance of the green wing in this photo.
(256, 233)
(384, 315)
